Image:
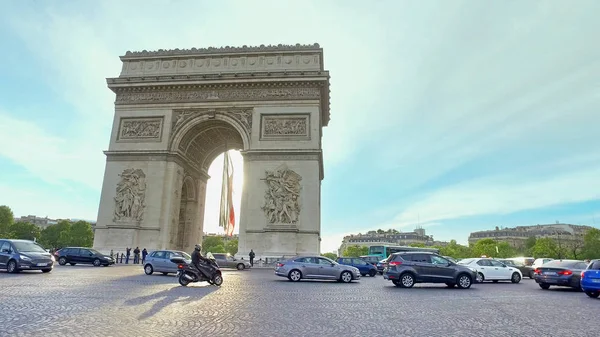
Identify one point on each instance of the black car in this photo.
(405, 269)
(565, 273)
(75, 255)
(17, 255)
(525, 270)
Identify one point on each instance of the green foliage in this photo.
(417, 244)
(212, 243)
(332, 256)
(231, 246)
(488, 247)
(81, 234)
(25, 231)
(6, 221)
(591, 244)
(455, 250)
(65, 233)
(355, 251)
(546, 247)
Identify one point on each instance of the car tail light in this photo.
(279, 265)
(582, 273)
(395, 263)
(565, 272)
(180, 266)
(538, 271)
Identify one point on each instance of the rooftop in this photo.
(224, 50)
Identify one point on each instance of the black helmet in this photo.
(198, 247)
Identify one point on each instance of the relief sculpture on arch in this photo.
(282, 198)
(130, 197)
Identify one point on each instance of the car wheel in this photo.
(240, 266)
(148, 269)
(372, 273)
(464, 281)
(593, 294)
(450, 285)
(62, 261)
(11, 267)
(407, 280)
(531, 274)
(97, 263)
(480, 278)
(544, 286)
(346, 277)
(516, 278)
(46, 270)
(295, 275)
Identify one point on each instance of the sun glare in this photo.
(213, 192)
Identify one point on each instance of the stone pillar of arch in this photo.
(176, 111)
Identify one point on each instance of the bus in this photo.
(382, 252)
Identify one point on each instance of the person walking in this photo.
(127, 254)
(252, 255)
(136, 255)
(144, 254)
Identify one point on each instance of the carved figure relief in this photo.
(140, 128)
(282, 198)
(131, 194)
(285, 126)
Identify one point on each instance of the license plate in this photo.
(596, 281)
(549, 273)
(42, 264)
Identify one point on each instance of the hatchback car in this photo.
(17, 255)
(160, 261)
(407, 268)
(590, 279)
(489, 269)
(83, 255)
(363, 266)
(315, 267)
(565, 273)
(228, 261)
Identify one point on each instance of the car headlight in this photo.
(26, 258)
(52, 258)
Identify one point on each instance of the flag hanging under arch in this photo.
(227, 214)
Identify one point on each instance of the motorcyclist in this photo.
(198, 258)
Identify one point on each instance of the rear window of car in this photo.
(558, 263)
(595, 265)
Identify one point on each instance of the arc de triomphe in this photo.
(177, 110)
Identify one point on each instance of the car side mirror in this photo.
(5, 251)
(333, 264)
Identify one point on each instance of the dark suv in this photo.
(17, 255)
(407, 268)
(75, 255)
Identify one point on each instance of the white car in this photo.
(489, 269)
(539, 262)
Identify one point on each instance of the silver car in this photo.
(160, 261)
(315, 267)
(228, 261)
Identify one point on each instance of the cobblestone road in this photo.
(122, 301)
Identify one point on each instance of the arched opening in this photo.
(199, 182)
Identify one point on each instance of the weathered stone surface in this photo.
(122, 301)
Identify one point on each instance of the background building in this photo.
(40, 222)
(390, 237)
(517, 236)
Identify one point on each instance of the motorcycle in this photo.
(187, 274)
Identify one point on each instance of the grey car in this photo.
(315, 267)
(160, 261)
(228, 261)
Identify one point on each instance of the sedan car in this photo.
(489, 269)
(315, 267)
(160, 261)
(525, 270)
(17, 255)
(228, 261)
(83, 255)
(590, 279)
(363, 266)
(381, 265)
(565, 273)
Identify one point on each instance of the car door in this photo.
(500, 270)
(221, 260)
(485, 267)
(308, 266)
(73, 255)
(4, 253)
(362, 265)
(443, 269)
(422, 264)
(158, 261)
(326, 269)
(85, 256)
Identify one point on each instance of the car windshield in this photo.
(95, 252)
(24, 246)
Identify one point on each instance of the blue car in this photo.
(590, 279)
(364, 267)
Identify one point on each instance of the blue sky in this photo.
(458, 115)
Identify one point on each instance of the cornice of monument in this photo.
(223, 50)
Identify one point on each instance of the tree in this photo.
(355, 251)
(81, 234)
(529, 243)
(332, 256)
(591, 244)
(545, 247)
(231, 246)
(492, 248)
(417, 244)
(7, 219)
(51, 235)
(211, 243)
(25, 231)
(455, 250)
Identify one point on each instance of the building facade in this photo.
(38, 221)
(517, 236)
(390, 237)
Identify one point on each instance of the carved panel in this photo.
(206, 94)
(288, 126)
(243, 115)
(140, 129)
(280, 156)
(131, 195)
(282, 198)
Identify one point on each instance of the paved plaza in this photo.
(123, 301)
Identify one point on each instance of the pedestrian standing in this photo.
(252, 255)
(144, 254)
(127, 254)
(136, 255)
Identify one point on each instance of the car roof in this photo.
(413, 252)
